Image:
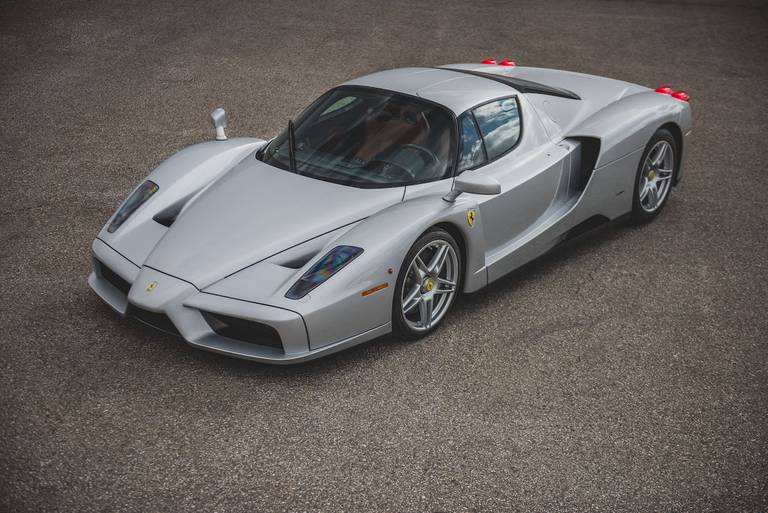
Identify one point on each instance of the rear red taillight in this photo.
(489, 61)
(678, 95)
(507, 63)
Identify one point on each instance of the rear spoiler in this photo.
(522, 85)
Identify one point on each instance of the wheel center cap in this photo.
(651, 174)
(429, 284)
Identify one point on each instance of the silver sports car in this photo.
(387, 197)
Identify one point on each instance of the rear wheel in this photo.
(653, 182)
(427, 284)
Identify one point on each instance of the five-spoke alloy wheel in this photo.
(654, 176)
(427, 284)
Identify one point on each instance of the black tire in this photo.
(399, 324)
(640, 214)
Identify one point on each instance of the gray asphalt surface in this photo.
(624, 372)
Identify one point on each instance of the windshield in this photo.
(368, 138)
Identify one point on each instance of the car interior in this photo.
(383, 137)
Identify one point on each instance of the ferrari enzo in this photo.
(387, 197)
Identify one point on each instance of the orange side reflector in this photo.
(375, 289)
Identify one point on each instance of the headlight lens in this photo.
(326, 267)
(134, 201)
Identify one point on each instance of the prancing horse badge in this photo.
(471, 214)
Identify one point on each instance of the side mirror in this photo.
(219, 120)
(473, 183)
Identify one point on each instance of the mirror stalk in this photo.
(219, 120)
(451, 196)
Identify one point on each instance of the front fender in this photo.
(390, 233)
(337, 309)
(179, 178)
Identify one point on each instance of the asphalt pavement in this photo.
(627, 371)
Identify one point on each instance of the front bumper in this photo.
(178, 307)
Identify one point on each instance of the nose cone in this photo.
(155, 291)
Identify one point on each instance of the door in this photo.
(530, 168)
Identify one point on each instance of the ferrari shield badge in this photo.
(152, 286)
(471, 214)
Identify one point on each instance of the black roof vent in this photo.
(522, 85)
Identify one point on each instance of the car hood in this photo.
(253, 212)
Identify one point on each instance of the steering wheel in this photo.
(430, 159)
(401, 172)
(427, 155)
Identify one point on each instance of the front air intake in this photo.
(244, 330)
(156, 320)
(113, 278)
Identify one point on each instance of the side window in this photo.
(499, 122)
(471, 151)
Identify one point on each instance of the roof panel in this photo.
(455, 90)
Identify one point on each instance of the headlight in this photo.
(134, 201)
(326, 267)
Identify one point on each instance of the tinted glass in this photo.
(499, 123)
(369, 138)
(471, 152)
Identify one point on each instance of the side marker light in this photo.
(375, 289)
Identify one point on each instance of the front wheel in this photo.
(653, 182)
(427, 284)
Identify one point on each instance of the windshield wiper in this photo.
(291, 147)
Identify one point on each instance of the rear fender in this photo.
(628, 124)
